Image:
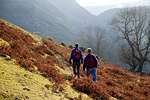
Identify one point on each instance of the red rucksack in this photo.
(77, 54)
(90, 61)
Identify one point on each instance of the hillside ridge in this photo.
(21, 50)
(48, 58)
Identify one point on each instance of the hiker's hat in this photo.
(89, 49)
(76, 45)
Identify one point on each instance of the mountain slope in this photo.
(20, 50)
(58, 19)
(22, 83)
(115, 82)
(29, 52)
(113, 36)
(107, 16)
(36, 16)
(74, 12)
(17, 83)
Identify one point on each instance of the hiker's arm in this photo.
(81, 57)
(96, 61)
(84, 67)
(71, 56)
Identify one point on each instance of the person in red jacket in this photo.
(90, 64)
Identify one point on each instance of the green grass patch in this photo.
(19, 84)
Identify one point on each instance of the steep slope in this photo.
(75, 13)
(20, 50)
(107, 16)
(97, 10)
(115, 83)
(16, 83)
(60, 19)
(105, 19)
(30, 53)
(37, 16)
(45, 57)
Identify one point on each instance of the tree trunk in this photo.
(140, 69)
(133, 68)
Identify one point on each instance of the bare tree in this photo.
(134, 26)
(93, 37)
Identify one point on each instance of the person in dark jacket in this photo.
(90, 64)
(77, 58)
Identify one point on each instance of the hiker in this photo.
(90, 64)
(77, 58)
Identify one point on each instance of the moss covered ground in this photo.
(16, 83)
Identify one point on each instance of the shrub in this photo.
(22, 48)
(70, 46)
(63, 44)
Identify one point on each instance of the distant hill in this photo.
(97, 10)
(36, 16)
(74, 12)
(59, 19)
(107, 16)
(104, 20)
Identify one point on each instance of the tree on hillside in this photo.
(134, 26)
(93, 37)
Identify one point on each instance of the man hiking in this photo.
(76, 56)
(90, 64)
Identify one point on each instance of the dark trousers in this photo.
(76, 68)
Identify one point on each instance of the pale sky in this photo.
(108, 4)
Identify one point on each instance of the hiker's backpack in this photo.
(90, 61)
(77, 54)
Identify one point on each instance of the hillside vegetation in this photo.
(29, 52)
(37, 69)
(113, 81)
(17, 83)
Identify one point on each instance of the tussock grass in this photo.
(3, 42)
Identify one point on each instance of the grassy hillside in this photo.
(37, 69)
(114, 81)
(20, 79)
(16, 83)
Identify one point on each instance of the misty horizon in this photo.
(96, 7)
